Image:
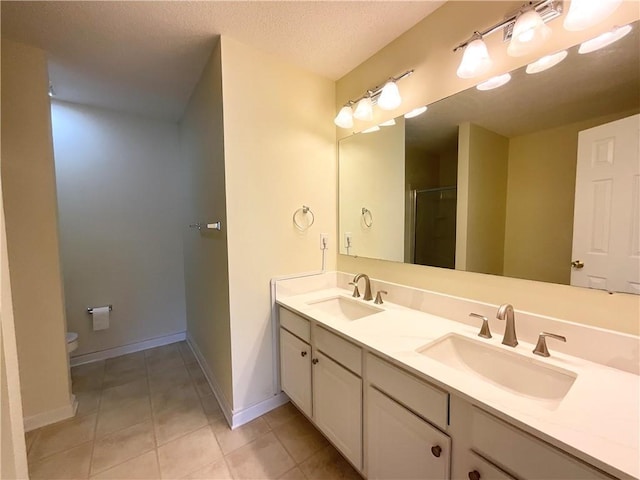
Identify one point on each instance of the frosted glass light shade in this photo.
(364, 109)
(388, 123)
(475, 60)
(494, 82)
(529, 33)
(587, 13)
(603, 40)
(546, 62)
(415, 112)
(344, 119)
(375, 128)
(390, 96)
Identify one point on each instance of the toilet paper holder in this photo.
(90, 309)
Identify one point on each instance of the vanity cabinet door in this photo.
(337, 406)
(295, 370)
(402, 445)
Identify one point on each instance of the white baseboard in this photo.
(238, 417)
(52, 416)
(131, 348)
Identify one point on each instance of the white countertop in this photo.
(598, 420)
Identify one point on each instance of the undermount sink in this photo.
(507, 370)
(344, 308)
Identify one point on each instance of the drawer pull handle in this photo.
(474, 475)
(314, 361)
(436, 450)
(303, 354)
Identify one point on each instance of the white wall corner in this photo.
(51, 416)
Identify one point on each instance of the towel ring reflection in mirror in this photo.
(308, 219)
(367, 217)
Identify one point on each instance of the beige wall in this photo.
(372, 175)
(29, 193)
(427, 48)
(205, 253)
(482, 194)
(540, 193)
(279, 142)
(121, 221)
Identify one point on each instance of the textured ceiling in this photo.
(146, 57)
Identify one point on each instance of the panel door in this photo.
(337, 406)
(295, 370)
(606, 230)
(401, 445)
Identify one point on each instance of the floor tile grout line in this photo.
(153, 417)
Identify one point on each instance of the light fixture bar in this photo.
(375, 92)
(548, 9)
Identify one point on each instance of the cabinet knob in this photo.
(314, 361)
(474, 475)
(436, 450)
(303, 354)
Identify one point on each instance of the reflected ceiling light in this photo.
(388, 123)
(364, 109)
(529, 33)
(605, 39)
(475, 59)
(587, 13)
(375, 128)
(52, 92)
(415, 112)
(390, 96)
(344, 119)
(546, 62)
(494, 82)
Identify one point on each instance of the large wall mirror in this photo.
(538, 179)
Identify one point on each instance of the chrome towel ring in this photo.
(304, 211)
(367, 217)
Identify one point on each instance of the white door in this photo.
(400, 445)
(606, 225)
(337, 406)
(295, 370)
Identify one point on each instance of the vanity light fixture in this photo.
(475, 59)
(529, 33)
(546, 62)
(415, 112)
(386, 97)
(605, 39)
(344, 119)
(587, 13)
(494, 82)
(375, 128)
(52, 92)
(388, 123)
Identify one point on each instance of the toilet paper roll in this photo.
(100, 318)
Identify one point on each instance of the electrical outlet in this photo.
(348, 239)
(324, 241)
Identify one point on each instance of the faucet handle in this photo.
(356, 292)
(484, 330)
(541, 347)
(378, 300)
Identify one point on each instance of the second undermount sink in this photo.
(344, 308)
(507, 370)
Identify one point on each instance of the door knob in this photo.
(303, 354)
(314, 361)
(577, 264)
(436, 450)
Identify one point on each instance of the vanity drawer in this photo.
(524, 455)
(342, 351)
(426, 400)
(297, 325)
(481, 469)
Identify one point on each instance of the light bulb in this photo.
(388, 123)
(364, 109)
(390, 96)
(494, 82)
(603, 40)
(415, 112)
(375, 128)
(529, 33)
(475, 60)
(546, 62)
(344, 119)
(587, 13)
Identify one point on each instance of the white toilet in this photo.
(72, 342)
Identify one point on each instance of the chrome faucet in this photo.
(367, 285)
(505, 312)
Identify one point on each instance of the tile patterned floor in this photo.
(152, 415)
